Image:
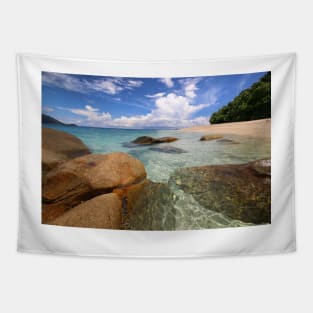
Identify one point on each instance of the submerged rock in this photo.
(227, 141)
(103, 211)
(146, 140)
(262, 167)
(168, 149)
(158, 206)
(153, 208)
(210, 137)
(58, 147)
(239, 191)
(83, 178)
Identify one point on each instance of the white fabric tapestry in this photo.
(156, 159)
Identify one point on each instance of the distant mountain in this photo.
(251, 104)
(46, 119)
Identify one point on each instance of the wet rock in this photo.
(227, 141)
(83, 178)
(58, 147)
(210, 137)
(131, 193)
(164, 139)
(241, 192)
(153, 208)
(103, 211)
(168, 149)
(262, 167)
(157, 206)
(143, 140)
(129, 196)
(146, 140)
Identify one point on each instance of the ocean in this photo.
(160, 165)
(180, 210)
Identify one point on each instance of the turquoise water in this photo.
(160, 165)
(180, 211)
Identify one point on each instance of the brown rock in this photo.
(210, 137)
(51, 211)
(100, 212)
(164, 139)
(131, 193)
(146, 140)
(59, 146)
(129, 196)
(85, 177)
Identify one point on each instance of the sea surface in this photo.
(160, 165)
(188, 213)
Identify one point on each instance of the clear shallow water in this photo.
(180, 208)
(159, 165)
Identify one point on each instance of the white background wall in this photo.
(150, 30)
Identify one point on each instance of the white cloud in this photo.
(134, 83)
(212, 95)
(190, 86)
(242, 83)
(175, 109)
(150, 120)
(171, 110)
(106, 86)
(64, 81)
(115, 85)
(156, 95)
(47, 109)
(72, 82)
(167, 81)
(176, 106)
(93, 115)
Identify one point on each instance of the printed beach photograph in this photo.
(156, 154)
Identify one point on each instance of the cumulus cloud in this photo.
(151, 120)
(167, 81)
(175, 106)
(171, 110)
(92, 114)
(107, 85)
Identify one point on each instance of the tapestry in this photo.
(182, 158)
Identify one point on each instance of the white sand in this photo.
(257, 128)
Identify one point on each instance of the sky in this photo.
(124, 102)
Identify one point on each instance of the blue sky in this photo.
(101, 101)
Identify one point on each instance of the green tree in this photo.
(251, 104)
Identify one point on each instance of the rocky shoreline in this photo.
(82, 189)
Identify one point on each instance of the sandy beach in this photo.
(257, 128)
